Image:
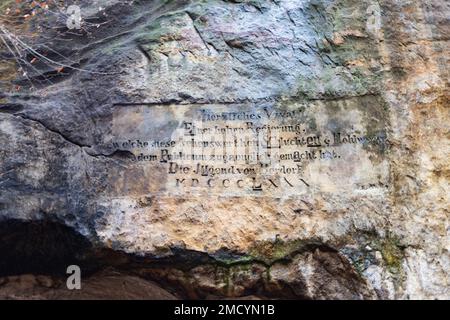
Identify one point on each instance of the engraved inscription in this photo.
(271, 150)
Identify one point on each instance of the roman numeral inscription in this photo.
(278, 149)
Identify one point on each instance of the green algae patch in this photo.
(392, 253)
(271, 251)
(231, 261)
(391, 250)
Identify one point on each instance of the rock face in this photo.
(295, 149)
(106, 285)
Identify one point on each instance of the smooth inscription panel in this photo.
(271, 149)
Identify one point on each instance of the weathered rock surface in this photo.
(106, 285)
(367, 215)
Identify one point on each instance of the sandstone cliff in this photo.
(367, 215)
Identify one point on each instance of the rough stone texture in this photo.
(379, 231)
(106, 285)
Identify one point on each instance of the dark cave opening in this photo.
(48, 247)
(40, 247)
